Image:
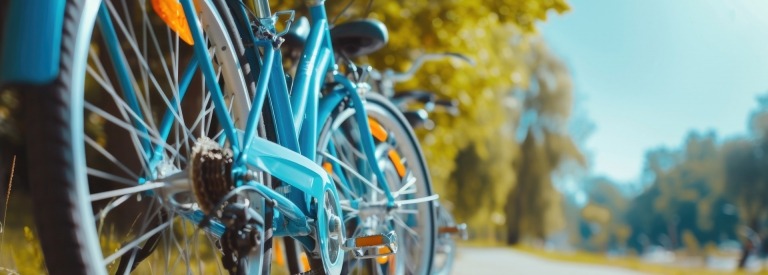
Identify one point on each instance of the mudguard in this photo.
(31, 41)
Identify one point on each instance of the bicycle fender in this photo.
(30, 51)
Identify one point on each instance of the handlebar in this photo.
(404, 76)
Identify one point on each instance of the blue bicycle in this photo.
(164, 136)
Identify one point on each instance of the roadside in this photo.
(498, 260)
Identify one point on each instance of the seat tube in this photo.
(262, 7)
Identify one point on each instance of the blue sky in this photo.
(646, 72)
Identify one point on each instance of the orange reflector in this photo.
(328, 167)
(304, 261)
(447, 229)
(377, 130)
(383, 259)
(374, 240)
(279, 256)
(395, 158)
(172, 14)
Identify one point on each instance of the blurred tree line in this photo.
(700, 196)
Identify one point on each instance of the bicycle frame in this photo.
(296, 116)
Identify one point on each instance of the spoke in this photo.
(419, 200)
(144, 65)
(200, 120)
(350, 209)
(132, 41)
(130, 190)
(109, 156)
(402, 224)
(345, 166)
(108, 176)
(127, 127)
(411, 181)
(134, 243)
(353, 149)
(344, 186)
(160, 53)
(118, 100)
(115, 203)
(122, 108)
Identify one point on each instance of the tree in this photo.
(545, 149)
(685, 197)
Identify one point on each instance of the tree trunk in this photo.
(747, 247)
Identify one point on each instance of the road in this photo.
(473, 260)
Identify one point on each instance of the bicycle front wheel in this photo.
(365, 212)
(114, 140)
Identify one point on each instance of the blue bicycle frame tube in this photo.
(365, 131)
(201, 53)
(124, 74)
(298, 224)
(326, 105)
(258, 102)
(308, 136)
(288, 166)
(281, 107)
(305, 69)
(318, 16)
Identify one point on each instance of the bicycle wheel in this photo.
(111, 190)
(399, 156)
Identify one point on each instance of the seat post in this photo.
(262, 7)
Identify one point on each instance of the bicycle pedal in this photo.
(372, 246)
(458, 230)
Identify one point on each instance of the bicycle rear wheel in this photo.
(399, 156)
(104, 167)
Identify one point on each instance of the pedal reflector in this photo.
(372, 246)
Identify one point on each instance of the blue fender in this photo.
(31, 42)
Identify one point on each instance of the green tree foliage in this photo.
(685, 195)
(600, 225)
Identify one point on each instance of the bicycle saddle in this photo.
(359, 37)
(297, 35)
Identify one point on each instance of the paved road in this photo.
(472, 260)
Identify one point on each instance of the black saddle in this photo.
(351, 38)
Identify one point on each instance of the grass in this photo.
(25, 256)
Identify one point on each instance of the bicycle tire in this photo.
(403, 141)
(58, 155)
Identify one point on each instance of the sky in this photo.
(647, 72)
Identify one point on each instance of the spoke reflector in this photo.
(395, 158)
(173, 15)
(377, 130)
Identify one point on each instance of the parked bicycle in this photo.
(416, 106)
(165, 136)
